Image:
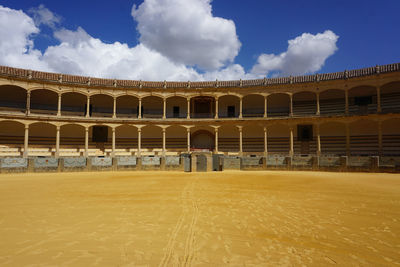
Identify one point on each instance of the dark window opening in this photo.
(100, 134)
(304, 132)
(231, 111)
(363, 100)
(176, 112)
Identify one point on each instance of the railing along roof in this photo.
(99, 82)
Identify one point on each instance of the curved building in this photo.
(349, 118)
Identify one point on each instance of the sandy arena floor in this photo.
(208, 219)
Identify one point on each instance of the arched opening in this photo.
(42, 139)
(44, 101)
(253, 106)
(202, 107)
(278, 139)
(278, 105)
(72, 140)
(228, 106)
(100, 140)
(304, 104)
(364, 138)
(127, 106)
(176, 107)
(332, 101)
(11, 138)
(304, 139)
(390, 97)
(362, 100)
(101, 106)
(202, 138)
(253, 138)
(391, 137)
(333, 138)
(73, 104)
(12, 98)
(151, 138)
(152, 107)
(176, 138)
(228, 138)
(126, 139)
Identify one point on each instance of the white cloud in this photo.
(305, 54)
(186, 31)
(42, 15)
(16, 44)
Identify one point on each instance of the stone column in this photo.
(28, 103)
(188, 139)
(265, 141)
(380, 143)
(291, 152)
(139, 142)
(163, 141)
(347, 139)
(86, 141)
(240, 139)
(378, 99)
(140, 109)
(88, 107)
(291, 105)
(216, 139)
(318, 141)
(318, 105)
(188, 109)
(26, 141)
(59, 105)
(58, 142)
(113, 142)
(115, 108)
(216, 108)
(164, 108)
(241, 108)
(265, 106)
(346, 96)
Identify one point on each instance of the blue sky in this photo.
(362, 34)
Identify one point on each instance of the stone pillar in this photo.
(164, 108)
(346, 96)
(86, 141)
(240, 139)
(163, 141)
(378, 99)
(318, 141)
(216, 108)
(380, 144)
(318, 105)
(140, 109)
(347, 140)
(291, 105)
(265, 141)
(188, 139)
(26, 141)
(291, 152)
(139, 142)
(58, 142)
(241, 108)
(265, 106)
(216, 139)
(59, 105)
(28, 103)
(115, 108)
(88, 107)
(113, 142)
(188, 109)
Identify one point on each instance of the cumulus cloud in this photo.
(16, 45)
(43, 16)
(186, 32)
(305, 54)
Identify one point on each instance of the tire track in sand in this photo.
(189, 247)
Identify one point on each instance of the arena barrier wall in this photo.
(188, 163)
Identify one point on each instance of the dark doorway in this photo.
(100, 134)
(176, 112)
(304, 132)
(231, 111)
(201, 163)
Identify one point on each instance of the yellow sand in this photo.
(208, 219)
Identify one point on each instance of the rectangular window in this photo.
(231, 111)
(304, 132)
(100, 134)
(176, 112)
